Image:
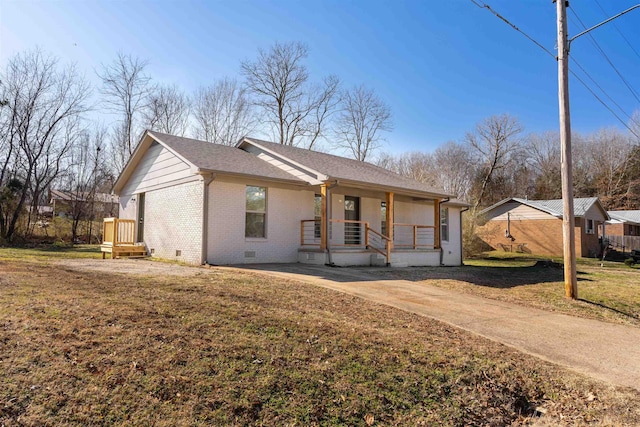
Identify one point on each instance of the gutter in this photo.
(206, 180)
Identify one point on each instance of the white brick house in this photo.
(260, 202)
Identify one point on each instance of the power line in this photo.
(618, 30)
(606, 57)
(506, 21)
(603, 103)
(601, 89)
(486, 6)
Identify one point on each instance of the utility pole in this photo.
(568, 219)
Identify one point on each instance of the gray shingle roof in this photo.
(221, 158)
(625, 216)
(347, 169)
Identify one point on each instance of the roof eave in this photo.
(397, 190)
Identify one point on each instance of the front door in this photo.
(351, 213)
(140, 218)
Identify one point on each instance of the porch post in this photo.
(323, 218)
(390, 219)
(437, 243)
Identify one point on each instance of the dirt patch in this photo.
(142, 267)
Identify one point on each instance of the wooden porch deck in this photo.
(118, 240)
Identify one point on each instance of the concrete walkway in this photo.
(605, 351)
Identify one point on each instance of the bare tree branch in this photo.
(223, 113)
(363, 118)
(167, 111)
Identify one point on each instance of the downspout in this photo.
(461, 251)
(439, 225)
(206, 180)
(328, 224)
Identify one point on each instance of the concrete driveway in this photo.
(605, 351)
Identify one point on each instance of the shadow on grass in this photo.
(495, 277)
(606, 307)
(67, 249)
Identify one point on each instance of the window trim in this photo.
(444, 223)
(262, 212)
(587, 229)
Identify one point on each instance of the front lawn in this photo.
(223, 348)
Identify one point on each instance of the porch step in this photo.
(121, 251)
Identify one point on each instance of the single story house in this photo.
(623, 229)
(535, 226)
(261, 202)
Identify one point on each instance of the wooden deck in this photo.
(118, 239)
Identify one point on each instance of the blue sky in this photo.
(442, 66)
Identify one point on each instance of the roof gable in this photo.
(343, 169)
(205, 157)
(554, 207)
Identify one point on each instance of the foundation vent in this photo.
(250, 254)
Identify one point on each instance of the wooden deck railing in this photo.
(354, 234)
(117, 231)
(413, 236)
(359, 234)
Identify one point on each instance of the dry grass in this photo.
(241, 349)
(607, 291)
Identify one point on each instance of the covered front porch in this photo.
(356, 226)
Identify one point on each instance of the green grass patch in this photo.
(47, 251)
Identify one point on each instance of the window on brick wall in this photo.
(444, 224)
(256, 212)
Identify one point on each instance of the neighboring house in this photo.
(261, 202)
(535, 226)
(64, 203)
(623, 229)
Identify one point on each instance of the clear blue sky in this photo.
(442, 66)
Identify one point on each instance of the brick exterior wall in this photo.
(173, 222)
(615, 229)
(542, 237)
(227, 243)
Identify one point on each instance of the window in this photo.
(589, 226)
(256, 208)
(317, 203)
(383, 215)
(444, 224)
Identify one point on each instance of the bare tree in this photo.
(167, 110)
(361, 122)
(494, 141)
(634, 125)
(37, 128)
(278, 79)
(454, 169)
(82, 177)
(126, 89)
(543, 151)
(223, 113)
